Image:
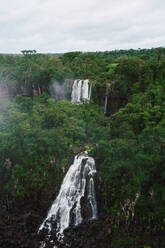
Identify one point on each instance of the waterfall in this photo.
(92, 199)
(73, 188)
(90, 92)
(81, 90)
(74, 91)
(105, 106)
(85, 89)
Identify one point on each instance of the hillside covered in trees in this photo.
(39, 137)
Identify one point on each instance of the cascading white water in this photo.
(92, 199)
(81, 91)
(74, 91)
(85, 89)
(79, 176)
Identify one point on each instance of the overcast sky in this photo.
(81, 25)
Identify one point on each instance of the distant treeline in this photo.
(31, 73)
(114, 53)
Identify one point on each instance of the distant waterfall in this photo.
(81, 90)
(73, 188)
(105, 105)
(90, 92)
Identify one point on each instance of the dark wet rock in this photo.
(19, 226)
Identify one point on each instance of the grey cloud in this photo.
(62, 25)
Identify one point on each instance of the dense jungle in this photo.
(41, 132)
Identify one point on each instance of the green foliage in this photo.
(38, 138)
